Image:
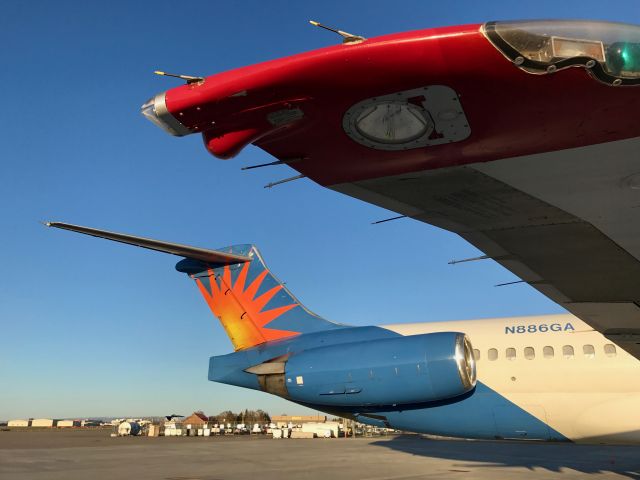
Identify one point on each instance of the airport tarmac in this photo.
(75, 454)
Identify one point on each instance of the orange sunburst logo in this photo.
(238, 309)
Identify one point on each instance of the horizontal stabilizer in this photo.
(195, 253)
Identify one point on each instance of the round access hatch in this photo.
(393, 122)
(416, 118)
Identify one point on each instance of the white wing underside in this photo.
(566, 222)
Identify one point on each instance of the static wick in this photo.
(346, 36)
(510, 283)
(187, 78)
(284, 180)
(277, 162)
(473, 259)
(389, 219)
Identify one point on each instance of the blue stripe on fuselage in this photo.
(483, 413)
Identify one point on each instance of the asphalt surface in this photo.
(94, 455)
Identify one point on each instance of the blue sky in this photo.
(96, 328)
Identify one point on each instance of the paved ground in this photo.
(94, 455)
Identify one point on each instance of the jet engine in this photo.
(396, 371)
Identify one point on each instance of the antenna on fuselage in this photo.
(346, 36)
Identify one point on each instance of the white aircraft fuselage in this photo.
(557, 369)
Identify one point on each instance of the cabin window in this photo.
(567, 351)
(476, 354)
(547, 352)
(493, 354)
(589, 351)
(529, 353)
(510, 353)
(610, 350)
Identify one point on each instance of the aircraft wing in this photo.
(566, 222)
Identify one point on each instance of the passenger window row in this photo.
(588, 351)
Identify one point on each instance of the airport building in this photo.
(283, 421)
(18, 423)
(42, 422)
(67, 423)
(49, 423)
(196, 420)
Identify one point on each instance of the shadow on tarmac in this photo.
(555, 457)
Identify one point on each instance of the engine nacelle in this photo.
(387, 372)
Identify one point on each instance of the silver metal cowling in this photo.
(163, 117)
(465, 361)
